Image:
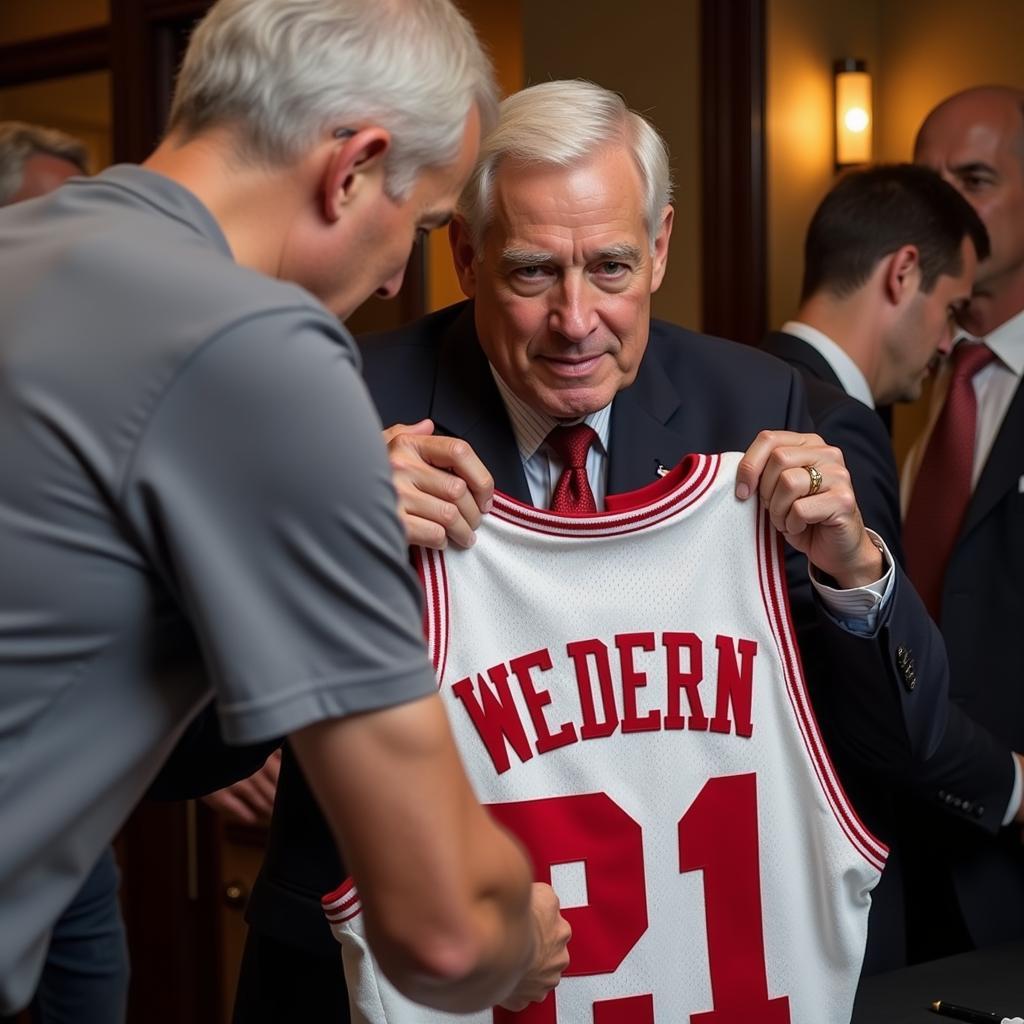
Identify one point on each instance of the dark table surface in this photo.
(986, 979)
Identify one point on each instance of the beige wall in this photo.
(653, 61)
(918, 51)
(932, 49)
(804, 37)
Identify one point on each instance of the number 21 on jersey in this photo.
(717, 836)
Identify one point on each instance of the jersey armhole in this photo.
(775, 595)
(430, 567)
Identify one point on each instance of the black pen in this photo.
(967, 1014)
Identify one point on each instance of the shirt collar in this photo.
(854, 382)
(1007, 341)
(157, 190)
(531, 427)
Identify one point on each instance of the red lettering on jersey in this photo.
(495, 718)
(625, 1010)
(632, 679)
(591, 828)
(537, 700)
(689, 680)
(735, 685)
(718, 836)
(591, 728)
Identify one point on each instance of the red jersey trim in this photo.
(681, 488)
(771, 576)
(343, 904)
(434, 580)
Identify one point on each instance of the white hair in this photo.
(560, 123)
(20, 141)
(285, 73)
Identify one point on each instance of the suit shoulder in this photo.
(423, 334)
(848, 423)
(832, 409)
(679, 350)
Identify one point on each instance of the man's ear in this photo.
(902, 276)
(463, 255)
(659, 256)
(353, 164)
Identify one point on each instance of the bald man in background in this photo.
(969, 567)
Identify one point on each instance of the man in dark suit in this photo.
(561, 238)
(973, 577)
(890, 255)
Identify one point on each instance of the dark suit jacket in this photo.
(968, 778)
(981, 620)
(692, 393)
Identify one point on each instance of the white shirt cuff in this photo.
(858, 609)
(1015, 793)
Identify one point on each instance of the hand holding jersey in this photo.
(444, 489)
(821, 521)
(551, 935)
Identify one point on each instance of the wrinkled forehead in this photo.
(600, 192)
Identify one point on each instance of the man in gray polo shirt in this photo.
(196, 499)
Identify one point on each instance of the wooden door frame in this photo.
(734, 224)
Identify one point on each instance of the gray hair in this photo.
(20, 141)
(560, 123)
(284, 73)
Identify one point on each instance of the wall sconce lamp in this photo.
(854, 118)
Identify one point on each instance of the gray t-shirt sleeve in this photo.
(262, 490)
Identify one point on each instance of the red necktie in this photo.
(942, 489)
(572, 492)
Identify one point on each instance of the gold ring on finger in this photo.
(815, 480)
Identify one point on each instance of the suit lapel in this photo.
(1004, 465)
(467, 404)
(640, 439)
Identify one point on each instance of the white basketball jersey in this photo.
(626, 693)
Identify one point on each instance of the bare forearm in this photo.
(493, 950)
(445, 892)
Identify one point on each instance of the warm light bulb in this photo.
(856, 119)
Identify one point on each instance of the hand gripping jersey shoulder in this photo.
(626, 694)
